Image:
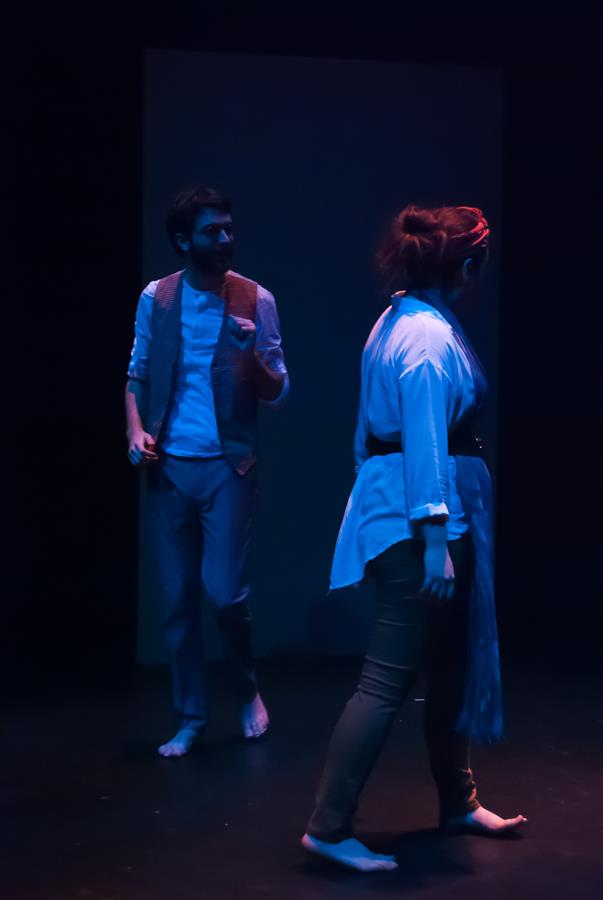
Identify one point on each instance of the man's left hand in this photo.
(242, 332)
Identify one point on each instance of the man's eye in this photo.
(215, 231)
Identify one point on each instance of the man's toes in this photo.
(170, 750)
(254, 729)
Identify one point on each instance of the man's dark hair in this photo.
(185, 208)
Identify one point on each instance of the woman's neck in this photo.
(433, 296)
(442, 300)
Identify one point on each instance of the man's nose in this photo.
(224, 237)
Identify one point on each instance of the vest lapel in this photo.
(235, 397)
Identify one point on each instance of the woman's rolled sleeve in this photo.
(424, 394)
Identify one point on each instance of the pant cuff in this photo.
(458, 795)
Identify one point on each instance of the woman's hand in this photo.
(439, 571)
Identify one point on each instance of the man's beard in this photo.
(214, 261)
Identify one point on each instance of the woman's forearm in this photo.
(435, 530)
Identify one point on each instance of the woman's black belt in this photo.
(461, 442)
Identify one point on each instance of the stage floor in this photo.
(91, 812)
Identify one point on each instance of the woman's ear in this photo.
(467, 270)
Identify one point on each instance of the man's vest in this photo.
(232, 370)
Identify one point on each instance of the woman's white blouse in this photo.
(417, 384)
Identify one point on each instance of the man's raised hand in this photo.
(242, 332)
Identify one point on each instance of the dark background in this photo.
(317, 154)
(73, 236)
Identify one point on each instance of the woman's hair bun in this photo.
(426, 246)
(417, 221)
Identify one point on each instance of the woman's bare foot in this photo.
(350, 853)
(180, 744)
(482, 821)
(255, 719)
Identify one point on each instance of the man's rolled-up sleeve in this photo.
(138, 368)
(268, 343)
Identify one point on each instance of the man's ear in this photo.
(183, 242)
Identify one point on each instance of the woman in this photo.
(419, 521)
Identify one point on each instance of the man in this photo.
(207, 348)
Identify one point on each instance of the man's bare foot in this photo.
(180, 744)
(482, 821)
(350, 853)
(255, 719)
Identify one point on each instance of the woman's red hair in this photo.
(426, 246)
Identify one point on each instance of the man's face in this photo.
(211, 244)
